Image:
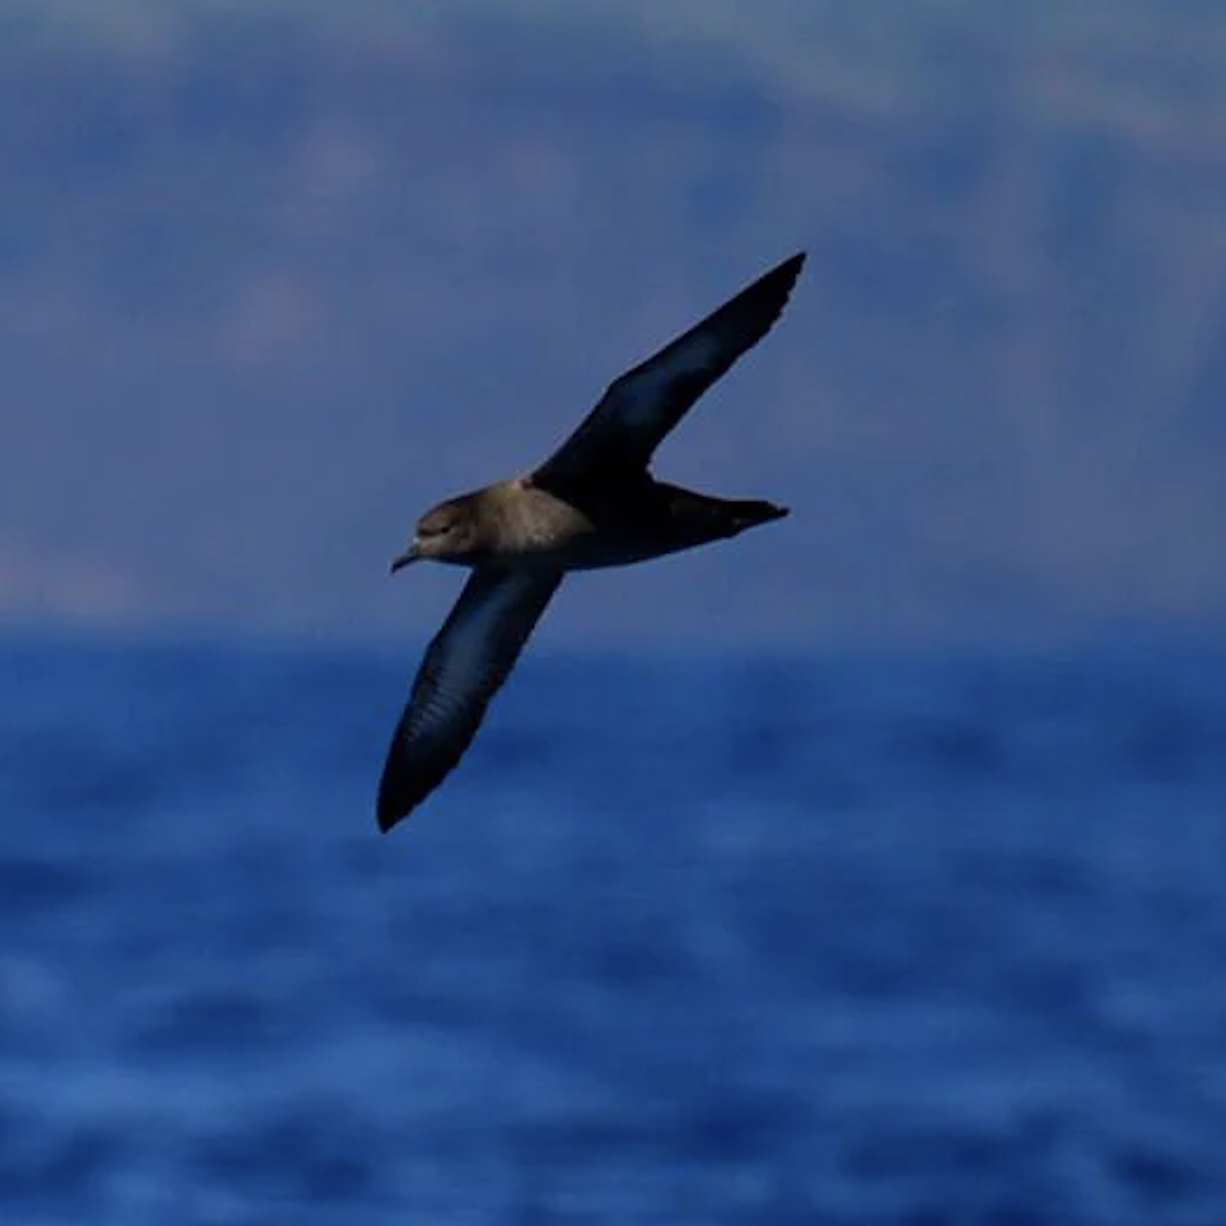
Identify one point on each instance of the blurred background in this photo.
(865, 870)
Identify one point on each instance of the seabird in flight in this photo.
(593, 503)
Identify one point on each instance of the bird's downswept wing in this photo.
(640, 407)
(465, 664)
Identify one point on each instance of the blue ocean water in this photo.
(894, 938)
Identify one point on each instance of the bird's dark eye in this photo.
(436, 527)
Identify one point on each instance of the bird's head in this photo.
(447, 534)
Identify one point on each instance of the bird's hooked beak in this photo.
(410, 555)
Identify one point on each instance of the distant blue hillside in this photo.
(268, 287)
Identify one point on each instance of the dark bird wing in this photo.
(643, 405)
(465, 664)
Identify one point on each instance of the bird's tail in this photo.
(745, 513)
(700, 517)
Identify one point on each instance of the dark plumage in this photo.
(593, 503)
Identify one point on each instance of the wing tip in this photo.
(393, 805)
(769, 294)
(786, 273)
(387, 816)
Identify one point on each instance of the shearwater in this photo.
(593, 503)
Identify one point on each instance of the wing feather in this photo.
(643, 405)
(464, 666)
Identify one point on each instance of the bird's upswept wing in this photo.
(638, 409)
(465, 664)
